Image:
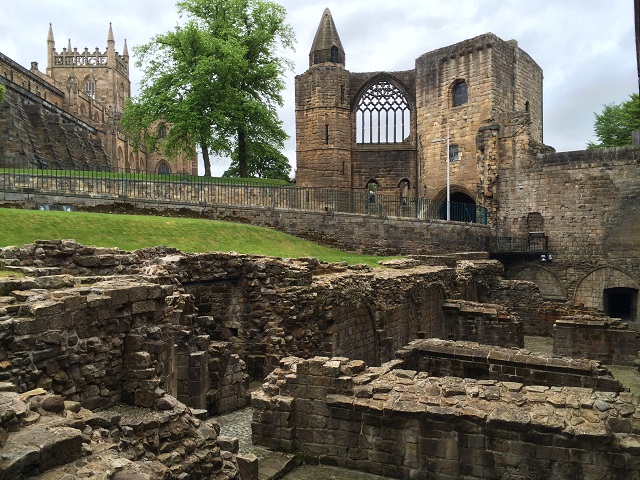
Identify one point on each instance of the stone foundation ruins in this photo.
(407, 424)
(117, 358)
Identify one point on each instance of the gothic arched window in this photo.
(459, 93)
(383, 115)
(335, 54)
(90, 88)
(163, 168)
(162, 131)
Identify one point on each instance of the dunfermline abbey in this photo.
(69, 116)
(415, 370)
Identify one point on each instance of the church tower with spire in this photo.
(323, 114)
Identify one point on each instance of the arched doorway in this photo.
(611, 290)
(463, 208)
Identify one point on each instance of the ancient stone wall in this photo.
(492, 323)
(586, 202)
(268, 308)
(500, 78)
(440, 358)
(405, 424)
(606, 339)
(97, 342)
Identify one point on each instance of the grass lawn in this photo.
(129, 232)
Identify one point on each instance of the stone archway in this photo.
(463, 206)
(610, 290)
(548, 284)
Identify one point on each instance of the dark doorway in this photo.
(463, 208)
(621, 303)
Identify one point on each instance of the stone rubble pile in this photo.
(43, 435)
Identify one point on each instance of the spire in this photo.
(327, 46)
(69, 46)
(110, 37)
(125, 51)
(50, 36)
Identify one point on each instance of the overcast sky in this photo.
(586, 48)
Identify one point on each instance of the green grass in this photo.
(9, 273)
(130, 232)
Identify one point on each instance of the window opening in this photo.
(526, 106)
(316, 57)
(383, 115)
(372, 188)
(453, 153)
(162, 131)
(404, 190)
(326, 134)
(335, 55)
(163, 168)
(460, 94)
(90, 88)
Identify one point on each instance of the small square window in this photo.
(453, 153)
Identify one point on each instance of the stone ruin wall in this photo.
(405, 424)
(597, 336)
(586, 202)
(441, 358)
(135, 332)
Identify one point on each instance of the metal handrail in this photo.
(122, 184)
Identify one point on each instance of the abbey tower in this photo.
(69, 116)
(389, 130)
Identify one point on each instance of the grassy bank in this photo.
(129, 232)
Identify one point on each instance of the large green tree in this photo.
(614, 126)
(216, 82)
(266, 162)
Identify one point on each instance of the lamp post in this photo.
(438, 140)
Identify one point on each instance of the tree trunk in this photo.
(207, 161)
(242, 153)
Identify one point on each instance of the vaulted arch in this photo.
(547, 282)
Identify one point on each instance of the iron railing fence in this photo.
(533, 243)
(228, 191)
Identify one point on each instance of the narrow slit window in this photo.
(326, 134)
(335, 54)
(90, 88)
(454, 153)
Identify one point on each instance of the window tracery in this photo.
(383, 115)
(90, 88)
(163, 168)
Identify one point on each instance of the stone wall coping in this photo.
(578, 411)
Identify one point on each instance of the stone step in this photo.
(276, 466)
(39, 448)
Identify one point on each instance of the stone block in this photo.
(248, 466)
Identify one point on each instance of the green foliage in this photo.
(614, 125)
(264, 161)
(2, 92)
(216, 81)
(130, 232)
